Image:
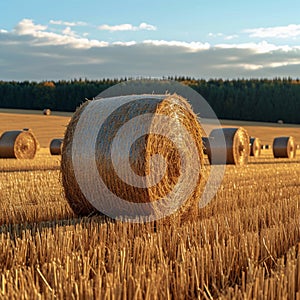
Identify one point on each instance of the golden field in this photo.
(243, 245)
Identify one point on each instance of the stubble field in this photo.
(244, 244)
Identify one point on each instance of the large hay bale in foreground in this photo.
(255, 147)
(56, 146)
(284, 147)
(133, 157)
(18, 144)
(236, 149)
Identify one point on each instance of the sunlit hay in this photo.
(56, 146)
(18, 144)
(255, 147)
(184, 126)
(237, 146)
(284, 147)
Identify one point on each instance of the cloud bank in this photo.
(127, 27)
(36, 52)
(281, 32)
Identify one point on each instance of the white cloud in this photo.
(131, 43)
(231, 37)
(289, 31)
(214, 35)
(251, 67)
(289, 62)
(26, 26)
(127, 27)
(70, 24)
(261, 47)
(43, 37)
(68, 31)
(193, 46)
(145, 26)
(223, 36)
(122, 27)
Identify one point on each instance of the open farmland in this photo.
(244, 244)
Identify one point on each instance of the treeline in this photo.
(240, 99)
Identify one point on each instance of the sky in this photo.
(63, 40)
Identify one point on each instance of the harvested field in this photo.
(244, 244)
(45, 128)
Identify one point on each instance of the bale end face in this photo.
(284, 147)
(255, 147)
(18, 144)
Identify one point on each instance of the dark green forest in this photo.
(266, 100)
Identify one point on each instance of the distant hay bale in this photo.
(47, 112)
(237, 146)
(102, 167)
(56, 146)
(18, 144)
(255, 147)
(284, 147)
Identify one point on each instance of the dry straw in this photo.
(56, 146)
(118, 112)
(18, 144)
(237, 146)
(284, 147)
(255, 147)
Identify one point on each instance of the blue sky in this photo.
(54, 40)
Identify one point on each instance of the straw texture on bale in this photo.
(47, 112)
(284, 147)
(237, 146)
(255, 147)
(56, 146)
(18, 144)
(122, 110)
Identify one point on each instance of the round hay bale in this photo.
(237, 146)
(47, 112)
(135, 157)
(18, 144)
(56, 146)
(255, 147)
(284, 147)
